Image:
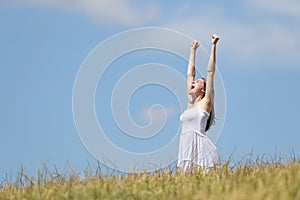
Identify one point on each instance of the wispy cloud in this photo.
(118, 12)
(249, 42)
(261, 33)
(157, 114)
(288, 8)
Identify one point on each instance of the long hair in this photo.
(211, 118)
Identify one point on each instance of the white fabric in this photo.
(195, 149)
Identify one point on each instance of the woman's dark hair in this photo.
(211, 118)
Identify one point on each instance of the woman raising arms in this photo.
(195, 149)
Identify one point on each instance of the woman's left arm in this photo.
(211, 68)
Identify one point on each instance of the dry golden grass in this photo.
(265, 180)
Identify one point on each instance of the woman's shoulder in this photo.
(203, 106)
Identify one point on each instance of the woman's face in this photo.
(197, 87)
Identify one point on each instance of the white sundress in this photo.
(195, 148)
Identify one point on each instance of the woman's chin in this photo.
(192, 93)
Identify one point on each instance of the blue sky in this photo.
(43, 44)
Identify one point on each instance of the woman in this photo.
(195, 149)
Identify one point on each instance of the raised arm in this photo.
(211, 68)
(191, 72)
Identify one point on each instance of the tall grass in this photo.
(250, 179)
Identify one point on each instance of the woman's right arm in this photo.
(191, 72)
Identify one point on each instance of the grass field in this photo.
(258, 180)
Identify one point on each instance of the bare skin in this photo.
(197, 95)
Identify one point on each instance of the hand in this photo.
(195, 45)
(214, 39)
